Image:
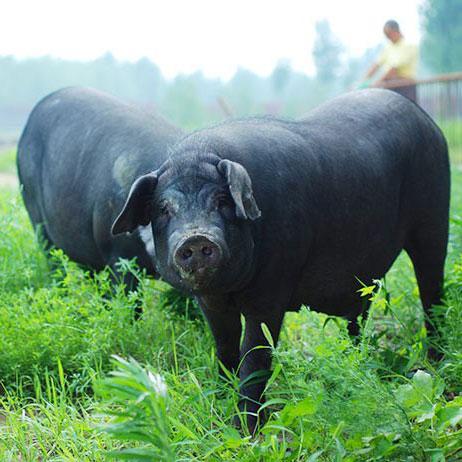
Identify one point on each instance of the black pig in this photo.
(261, 215)
(77, 157)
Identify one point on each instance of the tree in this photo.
(327, 52)
(280, 76)
(183, 103)
(442, 37)
(354, 68)
(246, 92)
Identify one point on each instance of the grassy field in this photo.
(452, 130)
(330, 400)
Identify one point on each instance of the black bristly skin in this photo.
(319, 204)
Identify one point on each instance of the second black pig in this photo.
(77, 157)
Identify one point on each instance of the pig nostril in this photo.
(186, 254)
(207, 250)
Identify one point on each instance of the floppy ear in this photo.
(136, 210)
(240, 187)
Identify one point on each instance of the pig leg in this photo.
(225, 324)
(428, 254)
(353, 325)
(256, 360)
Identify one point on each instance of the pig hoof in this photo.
(434, 355)
(249, 422)
(246, 423)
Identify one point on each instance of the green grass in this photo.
(8, 161)
(452, 130)
(330, 400)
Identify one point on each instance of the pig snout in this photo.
(197, 254)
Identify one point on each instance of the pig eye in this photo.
(164, 210)
(223, 201)
(225, 206)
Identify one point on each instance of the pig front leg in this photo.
(256, 360)
(225, 323)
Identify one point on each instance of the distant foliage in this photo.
(281, 76)
(442, 37)
(191, 101)
(327, 53)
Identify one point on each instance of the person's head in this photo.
(392, 31)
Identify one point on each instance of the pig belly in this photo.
(330, 283)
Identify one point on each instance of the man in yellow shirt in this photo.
(398, 61)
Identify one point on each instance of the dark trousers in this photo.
(409, 91)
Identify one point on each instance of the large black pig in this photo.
(261, 215)
(77, 157)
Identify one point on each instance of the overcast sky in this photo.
(181, 36)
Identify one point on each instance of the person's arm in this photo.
(367, 81)
(391, 74)
(373, 70)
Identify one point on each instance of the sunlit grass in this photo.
(8, 161)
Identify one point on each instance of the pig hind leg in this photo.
(359, 308)
(427, 251)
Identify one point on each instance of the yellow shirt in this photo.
(402, 56)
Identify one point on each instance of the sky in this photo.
(213, 36)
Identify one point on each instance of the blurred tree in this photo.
(246, 92)
(280, 76)
(327, 52)
(183, 103)
(302, 94)
(354, 68)
(188, 100)
(442, 35)
(147, 81)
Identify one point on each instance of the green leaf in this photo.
(232, 438)
(367, 290)
(273, 402)
(413, 393)
(267, 334)
(424, 413)
(424, 383)
(277, 370)
(315, 456)
(417, 397)
(436, 455)
(450, 415)
(135, 454)
(307, 406)
(255, 377)
(184, 429)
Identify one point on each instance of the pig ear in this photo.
(240, 187)
(136, 210)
